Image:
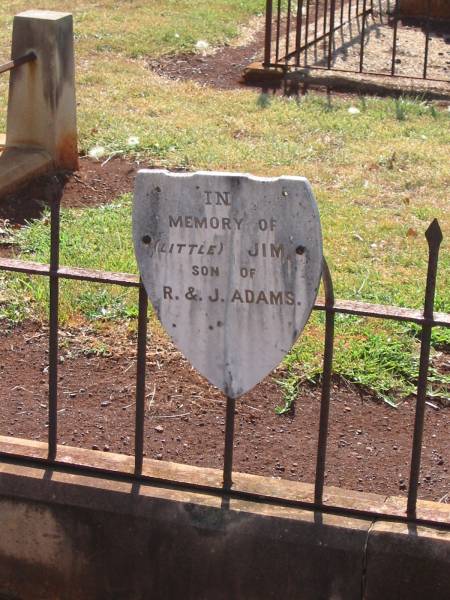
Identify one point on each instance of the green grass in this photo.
(379, 176)
(140, 28)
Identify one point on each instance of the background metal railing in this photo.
(321, 34)
(426, 318)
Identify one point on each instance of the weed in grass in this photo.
(263, 100)
(98, 349)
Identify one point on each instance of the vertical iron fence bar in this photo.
(363, 37)
(298, 38)
(326, 384)
(268, 34)
(427, 41)
(277, 43)
(229, 443)
(55, 219)
(357, 8)
(306, 32)
(434, 238)
(140, 380)
(394, 41)
(342, 12)
(325, 15)
(331, 36)
(316, 20)
(288, 31)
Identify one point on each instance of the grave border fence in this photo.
(295, 27)
(426, 318)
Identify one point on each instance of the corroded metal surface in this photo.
(346, 307)
(232, 265)
(17, 62)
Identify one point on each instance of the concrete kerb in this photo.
(41, 132)
(309, 78)
(66, 535)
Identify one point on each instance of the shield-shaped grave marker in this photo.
(232, 265)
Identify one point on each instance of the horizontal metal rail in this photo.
(17, 62)
(348, 307)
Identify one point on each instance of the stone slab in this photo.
(301, 79)
(405, 561)
(69, 536)
(232, 265)
(19, 165)
(45, 15)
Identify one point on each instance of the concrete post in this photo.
(437, 8)
(41, 105)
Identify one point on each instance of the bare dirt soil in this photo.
(95, 183)
(223, 68)
(369, 444)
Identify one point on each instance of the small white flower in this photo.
(202, 45)
(353, 110)
(133, 141)
(177, 35)
(97, 152)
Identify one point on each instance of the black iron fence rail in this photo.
(294, 27)
(427, 319)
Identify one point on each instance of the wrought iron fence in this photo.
(426, 318)
(359, 36)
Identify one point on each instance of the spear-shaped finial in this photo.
(434, 238)
(434, 234)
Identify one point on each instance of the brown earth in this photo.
(95, 183)
(223, 68)
(369, 443)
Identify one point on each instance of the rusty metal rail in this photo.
(427, 319)
(345, 307)
(17, 62)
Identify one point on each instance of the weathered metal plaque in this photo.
(232, 266)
